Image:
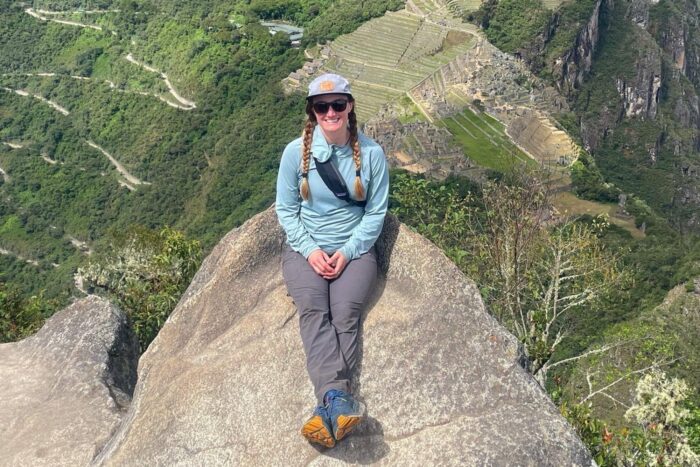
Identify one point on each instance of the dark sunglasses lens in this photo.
(321, 107)
(338, 106)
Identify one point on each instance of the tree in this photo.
(533, 268)
(145, 272)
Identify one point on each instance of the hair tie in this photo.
(305, 175)
(357, 172)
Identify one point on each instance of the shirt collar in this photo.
(323, 151)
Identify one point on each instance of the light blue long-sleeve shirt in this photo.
(324, 221)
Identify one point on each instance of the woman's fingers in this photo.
(328, 267)
(339, 262)
(319, 262)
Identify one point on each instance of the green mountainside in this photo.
(633, 107)
(133, 116)
(629, 70)
(186, 99)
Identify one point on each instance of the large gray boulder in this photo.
(63, 391)
(225, 382)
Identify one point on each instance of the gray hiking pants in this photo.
(329, 316)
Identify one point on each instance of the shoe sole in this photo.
(316, 432)
(346, 424)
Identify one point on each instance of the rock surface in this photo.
(63, 390)
(225, 382)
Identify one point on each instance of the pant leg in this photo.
(348, 296)
(309, 291)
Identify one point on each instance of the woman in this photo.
(329, 264)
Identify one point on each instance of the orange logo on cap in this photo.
(326, 86)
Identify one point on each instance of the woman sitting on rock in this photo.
(332, 193)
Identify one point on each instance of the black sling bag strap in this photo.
(334, 181)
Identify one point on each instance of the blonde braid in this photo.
(305, 157)
(355, 143)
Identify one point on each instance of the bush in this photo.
(20, 317)
(588, 181)
(145, 273)
(661, 432)
(513, 24)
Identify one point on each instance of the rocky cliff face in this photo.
(570, 68)
(640, 96)
(632, 76)
(676, 26)
(225, 382)
(64, 390)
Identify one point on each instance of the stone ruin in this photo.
(507, 90)
(418, 147)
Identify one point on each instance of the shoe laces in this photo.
(333, 394)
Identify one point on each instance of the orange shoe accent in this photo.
(345, 425)
(315, 431)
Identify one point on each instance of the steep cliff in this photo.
(675, 25)
(569, 62)
(632, 77)
(224, 383)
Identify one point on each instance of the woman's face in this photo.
(330, 119)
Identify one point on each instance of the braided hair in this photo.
(309, 126)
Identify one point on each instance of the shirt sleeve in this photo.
(288, 203)
(366, 233)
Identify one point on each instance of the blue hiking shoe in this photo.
(344, 411)
(317, 429)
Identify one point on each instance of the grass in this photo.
(567, 202)
(484, 141)
(409, 112)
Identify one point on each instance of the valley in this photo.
(124, 117)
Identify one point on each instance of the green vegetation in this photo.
(343, 17)
(588, 181)
(484, 140)
(512, 24)
(618, 335)
(21, 317)
(145, 272)
(60, 188)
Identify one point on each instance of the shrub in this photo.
(145, 272)
(20, 317)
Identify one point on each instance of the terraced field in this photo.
(387, 56)
(463, 6)
(484, 140)
(427, 6)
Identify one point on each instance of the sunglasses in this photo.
(339, 105)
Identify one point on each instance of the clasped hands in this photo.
(328, 267)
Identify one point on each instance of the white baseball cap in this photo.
(329, 83)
